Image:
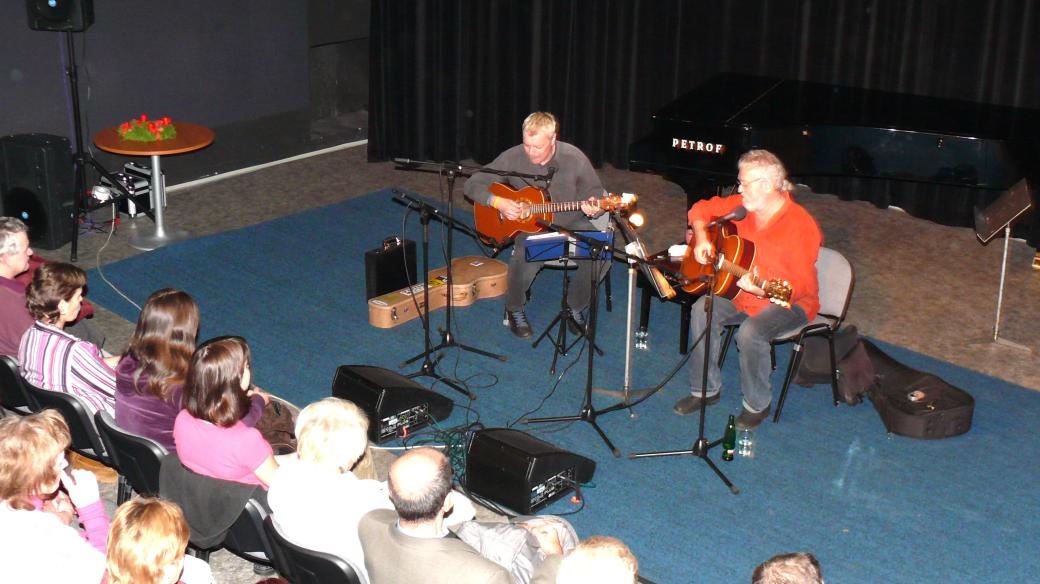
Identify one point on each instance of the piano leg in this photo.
(685, 308)
(1036, 261)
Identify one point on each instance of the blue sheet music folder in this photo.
(553, 246)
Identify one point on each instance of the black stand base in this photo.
(563, 321)
(699, 449)
(429, 369)
(588, 414)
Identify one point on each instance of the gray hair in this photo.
(770, 163)
(10, 227)
(796, 568)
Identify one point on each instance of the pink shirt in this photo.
(230, 454)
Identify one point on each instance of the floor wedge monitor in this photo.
(396, 406)
(521, 472)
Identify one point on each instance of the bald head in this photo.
(419, 482)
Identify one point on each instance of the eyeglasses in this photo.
(741, 184)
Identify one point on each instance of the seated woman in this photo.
(209, 434)
(332, 435)
(146, 545)
(150, 376)
(36, 535)
(51, 358)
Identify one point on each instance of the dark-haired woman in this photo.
(51, 358)
(209, 434)
(150, 376)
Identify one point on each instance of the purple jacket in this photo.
(141, 413)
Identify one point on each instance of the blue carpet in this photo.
(872, 507)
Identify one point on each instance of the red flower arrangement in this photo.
(144, 130)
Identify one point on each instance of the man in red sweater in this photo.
(787, 241)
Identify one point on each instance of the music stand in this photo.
(556, 246)
(588, 413)
(997, 217)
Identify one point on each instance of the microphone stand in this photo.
(451, 171)
(588, 413)
(701, 446)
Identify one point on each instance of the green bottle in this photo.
(729, 439)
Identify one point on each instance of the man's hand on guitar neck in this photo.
(509, 209)
(747, 284)
(591, 208)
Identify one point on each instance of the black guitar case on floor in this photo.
(916, 404)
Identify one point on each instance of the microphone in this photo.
(404, 161)
(738, 213)
(549, 176)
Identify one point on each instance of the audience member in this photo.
(209, 434)
(146, 545)
(14, 259)
(599, 560)
(331, 436)
(413, 544)
(150, 376)
(796, 568)
(17, 267)
(37, 538)
(51, 358)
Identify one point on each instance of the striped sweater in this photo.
(51, 358)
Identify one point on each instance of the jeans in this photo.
(522, 273)
(752, 338)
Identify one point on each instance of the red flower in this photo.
(144, 118)
(166, 120)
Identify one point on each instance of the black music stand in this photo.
(701, 446)
(560, 247)
(997, 217)
(588, 413)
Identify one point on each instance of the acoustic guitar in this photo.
(733, 258)
(473, 278)
(496, 230)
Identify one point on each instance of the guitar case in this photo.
(916, 404)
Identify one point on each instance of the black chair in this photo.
(85, 438)
(137, 458)
(247, 538)
(13, 394)
(303, 566)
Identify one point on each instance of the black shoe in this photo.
(576, 323)
(749, 420)
(517, 322)
(692, 403)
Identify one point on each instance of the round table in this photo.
(190, 137)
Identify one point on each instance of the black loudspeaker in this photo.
(37, 184)
(60, 15)
(395, 404)
(520, 471)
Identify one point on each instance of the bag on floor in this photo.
(815, 366)
(916, 404)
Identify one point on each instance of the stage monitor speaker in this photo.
(521, 472)
(395, 405)
(998, 214)
(60, 15)
(37, 184)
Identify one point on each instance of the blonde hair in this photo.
(28, 447)
(796, 568)
(146, 542)
(541, 121)
(770, 163)
(601, 559)
(332, 431)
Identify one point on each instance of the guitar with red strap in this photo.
(495, 229)
(733, 259)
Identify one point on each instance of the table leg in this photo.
(160, 236)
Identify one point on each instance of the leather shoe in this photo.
(692, 403)
(518, 325)
(748, 420)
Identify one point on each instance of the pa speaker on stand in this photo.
(37, 185)
(60, 15)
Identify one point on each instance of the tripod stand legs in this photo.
(699, 449)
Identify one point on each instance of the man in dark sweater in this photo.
(573, 179)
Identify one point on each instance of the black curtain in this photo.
(454, 78)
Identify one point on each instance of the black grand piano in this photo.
(935, 158)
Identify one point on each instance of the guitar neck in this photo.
(558, 207)
(739, 272)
